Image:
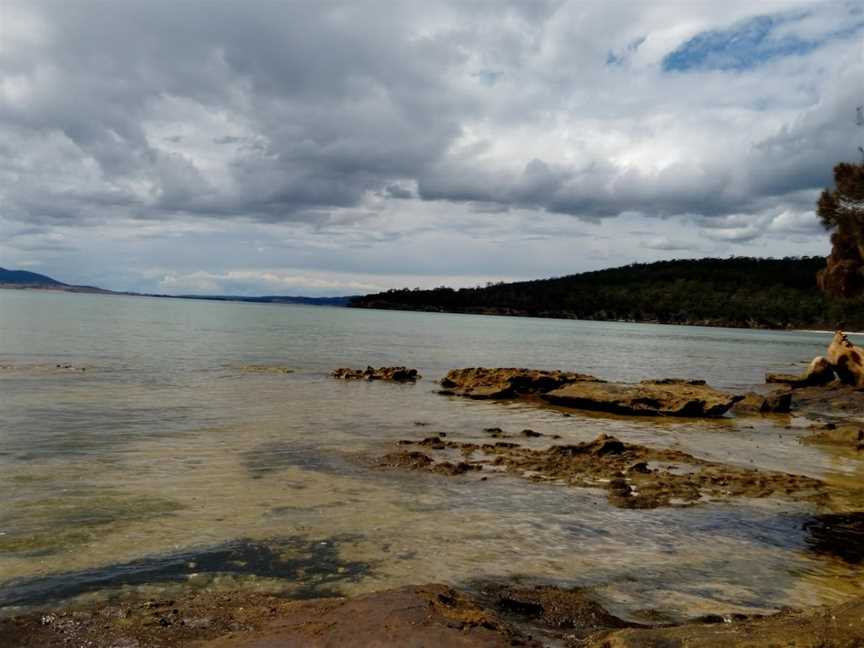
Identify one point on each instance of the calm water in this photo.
(169, 464)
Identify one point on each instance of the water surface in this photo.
(177, 459)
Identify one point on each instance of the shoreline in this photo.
(726, 324)
(484, 616)
(343, 302)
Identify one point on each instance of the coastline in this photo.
(821, 327)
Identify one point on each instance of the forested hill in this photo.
(739, 291)
(26, 278)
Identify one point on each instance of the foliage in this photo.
(739, 291)
(842, 210)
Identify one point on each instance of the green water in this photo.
(141, 474)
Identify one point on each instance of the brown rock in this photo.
(823, 627)
(845, 434)
(480, 382)
(847, 360)
(634, 476)
(552, 608)
(397, 374)
(774, 403)
(650, 398)
(430, 615)
(413, 616)
(405, 459)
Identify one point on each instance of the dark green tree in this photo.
(842, 210)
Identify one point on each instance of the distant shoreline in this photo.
(566, 316)
(266, 299)
(345, 302)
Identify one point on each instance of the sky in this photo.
(327, 148)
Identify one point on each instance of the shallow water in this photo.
(177, 460)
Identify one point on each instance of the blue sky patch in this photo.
(746, 45)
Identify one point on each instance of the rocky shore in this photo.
(395, 374)
(634, 476)
(488, 616)
(520, 612)
(665, 397)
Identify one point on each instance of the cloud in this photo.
(393, 137)
(256, 282)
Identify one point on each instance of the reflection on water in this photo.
(169, 448)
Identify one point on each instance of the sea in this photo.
(153, 447)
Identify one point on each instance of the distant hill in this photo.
(25, 278)
(738, 292)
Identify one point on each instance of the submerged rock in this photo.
(837, 534)
(397, 374)
(849, 434)
(834, 402)
(480, 382)
(652, 398)
(634, 476)
(264, 369)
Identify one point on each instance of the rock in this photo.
(634, 476)
(497, 616)
(819, 372)
(823, 627)
(404, 459)
(264, 369)
(433, 442)
(847, 360)
(846, 434)
(552, 608)
(480, 382)
(774, 403)
(649, 398)
(427, 615)
(670, 396)
(417, 615)
(831, 402)
(397, 374)
(837, 534)
(453, 469)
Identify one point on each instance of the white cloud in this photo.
(413, 140)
